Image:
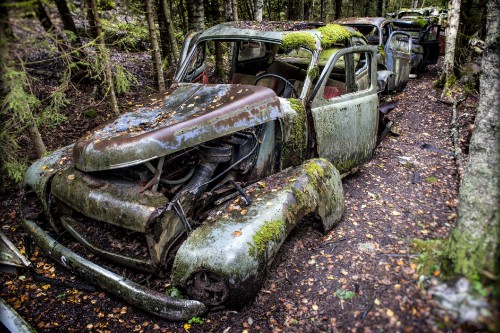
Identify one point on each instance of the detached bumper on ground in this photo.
(147, 299)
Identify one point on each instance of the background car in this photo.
(425, 34)
(394, 48)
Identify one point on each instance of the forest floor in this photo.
(363, 276)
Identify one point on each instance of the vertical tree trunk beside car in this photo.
(67, 20)
(155, 47)
(4, 20)
(259, 4)
(474, 243)
(170, 31)
(196, 15)
(295, 10)
(451, 41)
(95, 27)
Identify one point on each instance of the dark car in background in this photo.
(394, 50)
(425, 34)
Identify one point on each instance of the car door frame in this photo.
(345, 127)
(402, 63)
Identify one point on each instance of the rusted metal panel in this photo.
(116, 202)
(185, 116)
(144, 298)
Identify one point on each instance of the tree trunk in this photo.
(451, 40)
(257, 14)
(182, 16)
(380, 8)
(295, 10)
(322, 10)
(67, 20)
(228, 10)
(235, 10)
(474, 243)
(219, 64)
(36, 139)
(95, 27)
(170, 31)
(4, 21)
(162, 29)
(43, 17)
(338, 9)
(196, 15)
(155, 52)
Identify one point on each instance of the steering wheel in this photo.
(285, 81)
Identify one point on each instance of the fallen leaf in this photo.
(236, 233)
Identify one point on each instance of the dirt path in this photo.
(359, 277)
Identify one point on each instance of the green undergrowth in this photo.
(432, 259)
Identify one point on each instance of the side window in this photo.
(197, 64)
(251, 50)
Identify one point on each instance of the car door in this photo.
(430, 43)
(398, 56)
(344, 107)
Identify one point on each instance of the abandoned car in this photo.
(201, 184)
(394, 50)
(425, 35)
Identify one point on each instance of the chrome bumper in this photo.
(144, 298)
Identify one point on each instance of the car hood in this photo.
(182, 117)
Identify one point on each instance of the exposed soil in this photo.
(360, 277)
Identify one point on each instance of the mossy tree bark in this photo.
(156, 55)
(174, 50)
(474, 243)
(196, 15)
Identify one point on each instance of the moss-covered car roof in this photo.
(291, 34)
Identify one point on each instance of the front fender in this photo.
(225, 259)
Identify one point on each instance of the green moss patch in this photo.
(295, 40)
(295, 148)
(335, 34)
(270, 231)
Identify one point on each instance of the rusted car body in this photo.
(207, 179)
(394, 50)
(425, 34)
